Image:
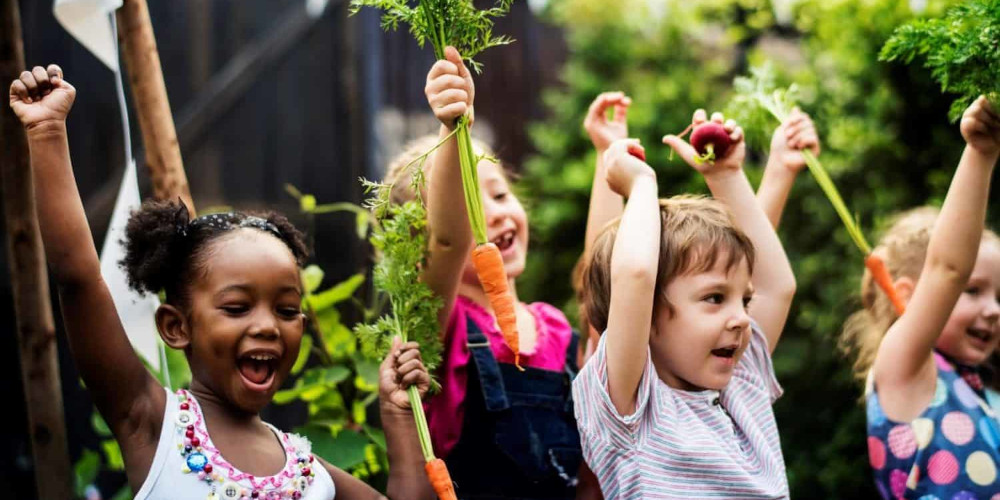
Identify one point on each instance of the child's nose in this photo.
(264, 325)
(740, 320)
(992, 309)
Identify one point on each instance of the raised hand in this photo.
(402, 368)
(41, 96)
(623, 165)
(601, 130)
(794, 135)
(732, 161)
(450, 91)
(981, 127)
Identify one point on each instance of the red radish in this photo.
(711, 141)
(637, 152)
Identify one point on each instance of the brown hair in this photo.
(400, 171)
(695, 232)
(903, 248)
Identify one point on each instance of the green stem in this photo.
(825, 183)
(421, 420)
(470, 182)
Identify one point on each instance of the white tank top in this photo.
(187, 465)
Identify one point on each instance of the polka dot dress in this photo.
(949, 453)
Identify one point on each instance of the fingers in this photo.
(681, 147)
(42, 78)
(19, 91)
(54, 71)
(736, 136)
(598, 108)
(29, 81)
(444, 81)
(717, 117)
(442, 67)
(452, 55)
(729, 126)
(699, 117)
(408, 352)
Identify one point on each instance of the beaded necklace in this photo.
(225, 482)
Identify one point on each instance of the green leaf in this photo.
(304, 349)
(85, 470)
(98, 424)
(376, 435)
(125, 493)
(113, 455)
(345, 451)
(367, 378)
(337, 294)
(312, 277)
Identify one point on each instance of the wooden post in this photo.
(159, 137)
(29, 279)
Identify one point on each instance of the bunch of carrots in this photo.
(459, 24)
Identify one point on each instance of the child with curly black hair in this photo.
(233, 305)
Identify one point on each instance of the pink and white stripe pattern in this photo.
(680, 444)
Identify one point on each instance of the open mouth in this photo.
(724, 352)
(257, 369)
(980, 334)
(504, 241)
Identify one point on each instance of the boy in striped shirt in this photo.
(676, 401)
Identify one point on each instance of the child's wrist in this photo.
(393, 412)
(45, 128)
(723, 175)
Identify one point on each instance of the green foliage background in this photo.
(887, 142)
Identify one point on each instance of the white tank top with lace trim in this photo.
(187, 465)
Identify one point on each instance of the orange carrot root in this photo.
(880, 274)
(437, 473)
(492, 275)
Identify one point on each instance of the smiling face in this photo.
(972, 333)
(697, 340)
(245, 321)
(506, 221)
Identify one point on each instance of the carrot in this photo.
(492, 275)
(881, 276)
(437, 473)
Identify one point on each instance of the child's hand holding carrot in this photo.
(400, 369)
(41, 96)
(981, 127)
(450, 90)
(797, 133)
(729, 155)
(623, 167)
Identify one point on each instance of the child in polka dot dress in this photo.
(932, 431)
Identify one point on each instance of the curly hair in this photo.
(164, 250)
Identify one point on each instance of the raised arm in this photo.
(773, 280)
(904, 363)
(785, 162)
(450, 93)
(633, 273)
(128, 397)
(605, 204)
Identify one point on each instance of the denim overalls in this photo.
(519, 436)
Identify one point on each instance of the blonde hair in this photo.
(903, 248)
(400, 171)
(695, 232)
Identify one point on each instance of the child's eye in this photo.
(746, 301)
(290, 312)
(714, 298)
(500, 197)
(972, 290)
(235, 308)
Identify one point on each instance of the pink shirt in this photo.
(446, 410)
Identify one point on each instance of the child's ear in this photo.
(904, 288)
(173, 327)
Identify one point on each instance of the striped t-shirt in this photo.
(682, 444)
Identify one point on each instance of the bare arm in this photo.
(785, 162)
(128, 397)
(633, 274)
(450, 93)
(774, 282)
(904, 363)
(605, 204)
